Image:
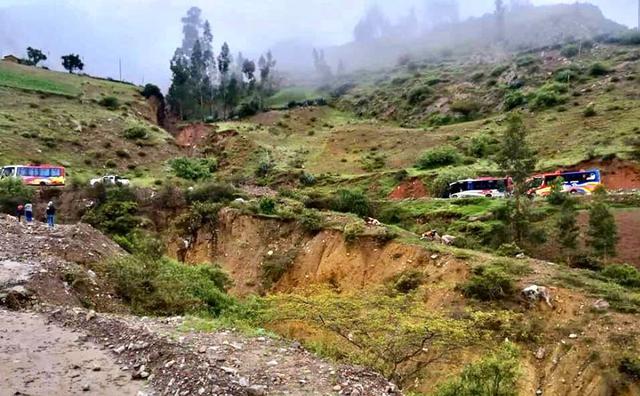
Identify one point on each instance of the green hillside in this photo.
(79, 122)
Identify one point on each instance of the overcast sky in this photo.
(144, 33)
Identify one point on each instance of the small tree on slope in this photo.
(603, 232)
(567, 230)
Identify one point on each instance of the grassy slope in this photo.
(55, 117)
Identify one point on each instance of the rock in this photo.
(272, 363)
(96, 367)
(169, 364)
(540, 353)
(141, 373)
(202, 349)
(521, 256)
(201, 391)
(228, 370)
(120, 349)
(337, 388)
(90, 315)
(573, 336)
(86, 388)
(434, 256)
(243, 382)
(601, 305)
(539, 392)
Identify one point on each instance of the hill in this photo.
(79, 122)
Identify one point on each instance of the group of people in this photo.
(26, 211)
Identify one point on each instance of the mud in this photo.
(40, 358)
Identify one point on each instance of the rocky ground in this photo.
(57, 344)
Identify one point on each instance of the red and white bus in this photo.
(35, 175)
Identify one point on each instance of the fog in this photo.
(142, 35)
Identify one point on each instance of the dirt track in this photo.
(41, 358)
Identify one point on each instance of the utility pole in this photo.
(639, 15)
(120, 68)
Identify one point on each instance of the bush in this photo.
(267, 206)
(136, 132)
(165, 287)
(566, 75)
(437, 119)
(489, 283)
(465, 107)
(495, 375)
(193, 168)
(352, 232)
(514, 99)
(481, 146)
(13, 193)
(407, 281)
(439, 157)
(598, 69)
(352, 201)
(569, 51)
(311, 221)
(509, 250)
(526, 60)
(110, 102)
(264, 168)
(590, 111)
(116, 215)
(212, 192)
(630, 38)
(418, 94)
(548, 95)
(307, 179)
(624, 275)
(150, 90)
(630, 366)
(499, 70)
(275, 266)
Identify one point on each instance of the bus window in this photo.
(56, 172)
(8, 172)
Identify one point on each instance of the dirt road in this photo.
(41, 358)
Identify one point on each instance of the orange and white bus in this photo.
(35, 175)
(577, 182)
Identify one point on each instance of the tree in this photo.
(72, 62)
(323, 70)
(567, 230)
(249, 70)
(266, 65)
(224, 61)
(191, 25)
(35, 56)
(500, 20)
(517, 160)
(603, 232)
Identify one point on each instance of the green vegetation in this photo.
(603, 233)
(193, 168)
(624, 275)
(165, 287)
(439, 157)
(489, 283)
(495, 375)
(287, 95)
(110, 102)
(12, 194)
(352, 201)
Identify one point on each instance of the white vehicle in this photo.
(110, 180)
(485, 187)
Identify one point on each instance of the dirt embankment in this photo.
(616, 174)
(411, 189)
(573, 342)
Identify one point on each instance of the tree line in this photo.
(209, 87)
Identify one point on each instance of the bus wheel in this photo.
(573, 192)
(489, 196)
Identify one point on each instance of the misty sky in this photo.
(144, 33)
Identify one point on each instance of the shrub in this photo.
(116, 215)
(264, 168)
(193, 168)
(136, 132)
(465, 107)
(311, 221)
(481, 146)
(489, 283)
(495, 375)
(548, 95)
(407, 281)
(630, 366)
(590, 111)
(514, 99)
(13, 193)
(212, 192)
(200, 215)
(624, 275)
(439, 157)
(438, 119)
(566, 75)
(418, 94)
(629, 38)
(352, 201)
(587, 262)
(110, 102)
(526, 60)
(307, 179)
(150, 90)
(267, 206)
(352, 232)
(499, 70)
(509, 250)
(275, 266)
(569, 51)
(166, 287)
(598, 69)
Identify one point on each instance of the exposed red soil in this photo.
(410, 189)
(616, 174)
(628, 221)
(193, 135)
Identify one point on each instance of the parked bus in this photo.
(484, 187)
(580, 182)
(35, 175)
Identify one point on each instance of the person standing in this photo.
(28, 212)
(20, 213)
(51, 213)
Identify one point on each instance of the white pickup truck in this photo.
(110, 180)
